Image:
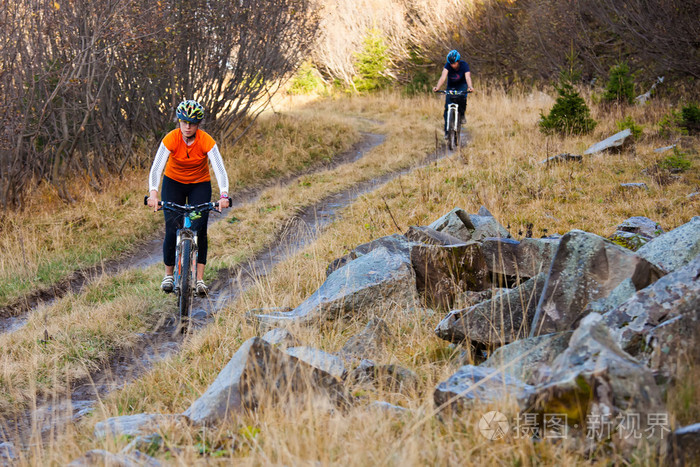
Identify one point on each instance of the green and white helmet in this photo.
(190, 111)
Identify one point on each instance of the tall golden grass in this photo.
(499, 168)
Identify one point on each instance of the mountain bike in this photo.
(454, 123)
(185, 273)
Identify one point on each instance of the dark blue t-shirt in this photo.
(457, 80)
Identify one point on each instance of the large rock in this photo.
(472, 383)
(367, 343)
(586, 268)
(281, 337)
(442, 272)
(260, 374)
(430, 236)
(486, 226)
(595, 384)
(135, 425)
(376, 279)
(504, 318)
(456, 223)
(395, 243)
(661, 323)
(674, 249)
(616, 141)
(523, 359)
(524, 259)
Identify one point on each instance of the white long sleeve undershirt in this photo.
(161, 159)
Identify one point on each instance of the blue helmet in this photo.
(190, 111)
(453, 56)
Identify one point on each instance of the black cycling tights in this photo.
(184, 193)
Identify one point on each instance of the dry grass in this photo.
(498, 169)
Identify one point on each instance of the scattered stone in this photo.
(442, 272)
(329, 363)
(616, 141)
(641, 225)
(684, 446)
(373, 280)
(523, 358)
(502, 319)
(674, 249)
(281, 337)
(593, 379)
(563, 157)
(259, 374)
(482, 384)
(368, 342)
(456, 223)
(135, 425)
(665, 148)
(586, 268)
(639, 185)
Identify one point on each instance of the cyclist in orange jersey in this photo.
(184, 155)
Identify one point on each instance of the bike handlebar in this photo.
(453, 92)
(188, 208)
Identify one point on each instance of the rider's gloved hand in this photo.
(153, 200)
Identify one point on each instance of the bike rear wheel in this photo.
(185, 279)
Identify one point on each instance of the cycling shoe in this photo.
(168, 284)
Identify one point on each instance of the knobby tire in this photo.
(185, 273)
(450, 131)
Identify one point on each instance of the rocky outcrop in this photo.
(281, 337)
(390, 377)
(616, 141)
(378, 278)
(456, 223)
(260, 374)
(504, 318)
(331, 364)
(661, 324)
(367, 343)
(594, 379)
(586, 268)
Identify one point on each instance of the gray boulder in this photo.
(523, 359)
(524, 259)
(259, 374)
(586, 268)
(329, 363)
(593, 379)
(456, 223)
(430, 236)
(504, 318)
(636, 231)
(486, 226)
(395, 243)
(616, 141)
(373, 280)
(674, 249)
(442, 272)
(472, 383)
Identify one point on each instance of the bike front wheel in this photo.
(451, 132)
(185, 268)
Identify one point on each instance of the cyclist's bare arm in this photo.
(468, 77)
(442, 79)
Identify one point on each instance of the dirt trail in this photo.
(164, 341)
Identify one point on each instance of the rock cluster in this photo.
(577, 326)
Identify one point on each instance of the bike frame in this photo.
(453, 125)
